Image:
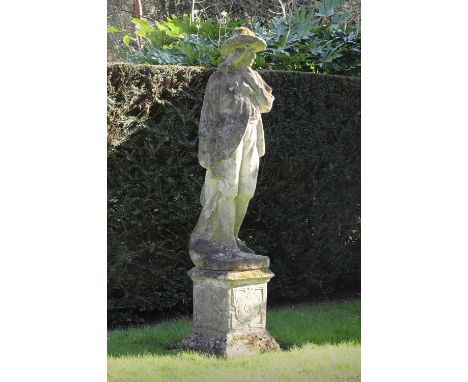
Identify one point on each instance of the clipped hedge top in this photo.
(177, 68)
(152, 83)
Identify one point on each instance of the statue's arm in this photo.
(234, 111)
(233, 103)
(264, 96)
(224, 116)
(206, 127)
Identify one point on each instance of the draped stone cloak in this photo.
(232, 98)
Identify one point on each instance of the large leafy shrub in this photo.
(304, 40)
(305, 213)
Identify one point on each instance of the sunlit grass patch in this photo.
(320, 343)
(340, 362)
(320, 323)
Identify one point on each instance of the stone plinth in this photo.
(229, 312)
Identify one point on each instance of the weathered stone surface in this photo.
(211, 257)
(231, 345)
(229, 312)
(230, 281)
(231, 142)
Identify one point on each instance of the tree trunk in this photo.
(138, 12)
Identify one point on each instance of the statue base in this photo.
(212, 256)
(229, 312)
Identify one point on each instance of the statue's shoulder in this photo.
(220, 76)
(218, 85)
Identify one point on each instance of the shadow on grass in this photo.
(325, 323)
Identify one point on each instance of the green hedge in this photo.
(306, 211)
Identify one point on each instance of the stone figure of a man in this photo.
(230, 143)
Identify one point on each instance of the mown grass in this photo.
(319, 343)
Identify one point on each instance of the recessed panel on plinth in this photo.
(229, 312)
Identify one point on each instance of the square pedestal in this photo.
(229, 312)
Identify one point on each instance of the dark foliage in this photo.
(301, 40)
(305, 214)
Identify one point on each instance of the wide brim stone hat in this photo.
(242, 38)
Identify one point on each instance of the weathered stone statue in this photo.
(231, 142)
(230, 280)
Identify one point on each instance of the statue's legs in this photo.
(247, 177)
(229, 185)
(216, 223)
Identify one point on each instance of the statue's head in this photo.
(241, 47)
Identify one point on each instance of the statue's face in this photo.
(246, 58)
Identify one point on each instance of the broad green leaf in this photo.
(112, 29)
(326, 8)
(294, 42)
(332, 55)
(142, 23)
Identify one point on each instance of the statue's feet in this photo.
(242, 246)
(207, 255)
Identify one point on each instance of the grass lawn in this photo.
(319, 342)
